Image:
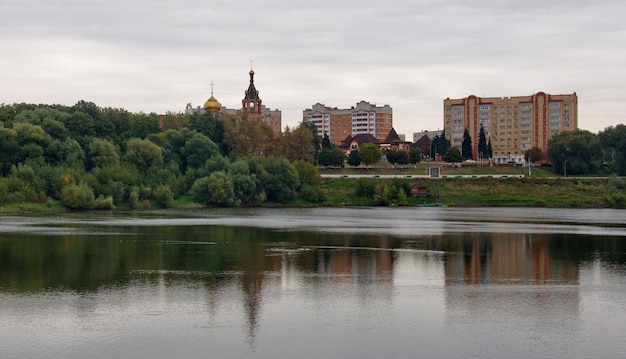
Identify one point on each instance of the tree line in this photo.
(91, 157)
(578, 152)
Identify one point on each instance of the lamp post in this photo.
(565, 168)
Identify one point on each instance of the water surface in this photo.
(310, 283)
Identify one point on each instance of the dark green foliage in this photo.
(282, 180)
(216, 189)
(307, 173)
(354, 159)
(143, 153)
(163, 196)
(77, 196)
(415, 156)
(369, 153)
(311, 193)
(439, 145)
(452, 155)
(466, 145)
(331, 157)
(365, 187)
(613, 141)
(574, 152)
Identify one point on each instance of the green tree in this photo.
(452, 155)
(482, 142)
(574, 152)
(326, 141)
(245, 183)
(198, 149)
(143, 153)
(415, 156)
(217, 189)
(145, 124)
(307, 173)
(102, 153)
(332, 156)
(77, 196)
(282, 180)
(392, 157)
(613, 140)
(402, 158)
(370, 154)
(466, 145)
(354, 159)
(489, 153)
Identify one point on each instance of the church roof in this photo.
(251, 92)
(361, 138)
(393, 137)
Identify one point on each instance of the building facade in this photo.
(251, 105)
(364, 118)
(512, 124)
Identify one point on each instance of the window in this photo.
(555, 105)
(485, 107)
(556, 124)
(525, 125)
(526, 112)
(525, 119)
(555, 118)
(525, 105)
(553, 111)
(484, 113)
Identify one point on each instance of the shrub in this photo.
(163, 196)
(104, 202)
(312, 193)
(77, 197)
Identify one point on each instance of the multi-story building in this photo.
(341, 123)
(251, 105)
(512, 124)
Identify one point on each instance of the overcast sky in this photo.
(159, 55)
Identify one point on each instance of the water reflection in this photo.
(102, 280)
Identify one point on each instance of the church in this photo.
(251, 106)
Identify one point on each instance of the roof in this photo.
(361, 138)
(251, 92)
(393, 137)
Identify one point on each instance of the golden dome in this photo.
(212, 104)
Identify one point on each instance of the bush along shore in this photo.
(528, 192)
(509, 192)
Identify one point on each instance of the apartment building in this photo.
(513, 124)
(364, 118)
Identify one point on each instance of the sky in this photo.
(159, 55)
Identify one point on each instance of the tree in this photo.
(370, 154)
(325, 141)
(613, 140)
(282, 180)
(533, 154)
(332, 156)
(143, 153)
(575, 152)
(489, 153)
(217, 189)
(439, 145)
(466, 145)
(298, 144)
(392, 157)
(102, 153)
(354, 159)
(452, 155)
(403, 158)
(415, 156)
(77, 196)
(482, 143)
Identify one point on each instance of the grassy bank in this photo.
(537, 192)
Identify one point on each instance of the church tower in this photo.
(252, 102)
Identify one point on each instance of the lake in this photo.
(314, 283)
